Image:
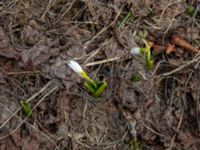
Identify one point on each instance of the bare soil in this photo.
(159, 111)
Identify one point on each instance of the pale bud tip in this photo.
(75, 66)
(135, 51)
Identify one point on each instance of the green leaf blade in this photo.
(100, 89)
(26, 108)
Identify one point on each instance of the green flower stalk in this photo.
(93, 87)
(78, 69)
(149, 61)
(146, 50)
(86, 77)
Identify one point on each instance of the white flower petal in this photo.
(135, 51)
(75, 66)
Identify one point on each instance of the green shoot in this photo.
(143, 34)
(95, 88)
(100, 89)
(90, 88)
(145, 50)
(85, 76)
(149, 61)
(125, 19)
(26, 108)
(135, 78)
(96, 92)
(134, 144)
(191, 10)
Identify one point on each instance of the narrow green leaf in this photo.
(89, 87)
(125, 19)
(100, 89)
(26, 108)
(191, 10)
(92, 82)
(135, 78)
(149, 61)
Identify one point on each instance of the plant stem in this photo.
(85, 76)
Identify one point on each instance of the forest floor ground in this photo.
(140, 109)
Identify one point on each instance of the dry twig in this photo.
(102, 61)
(196, 59)
(104, 29)
(182, 43)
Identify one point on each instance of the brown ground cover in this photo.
(159, 110)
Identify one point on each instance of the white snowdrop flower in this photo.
(75, 67)
(78, 69)
(135, 51)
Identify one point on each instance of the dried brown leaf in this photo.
(38, 54)
(170, 48)
(157, 49)
(110, 49)
(5, 48)
(119, 3)
(176, 40)
(148, 3)
(193, 33)
(31, 36)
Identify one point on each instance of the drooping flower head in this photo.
(94, 87)
(135, 50)
(75, 67)
(78, 69)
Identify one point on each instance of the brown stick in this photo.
(182, 43)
